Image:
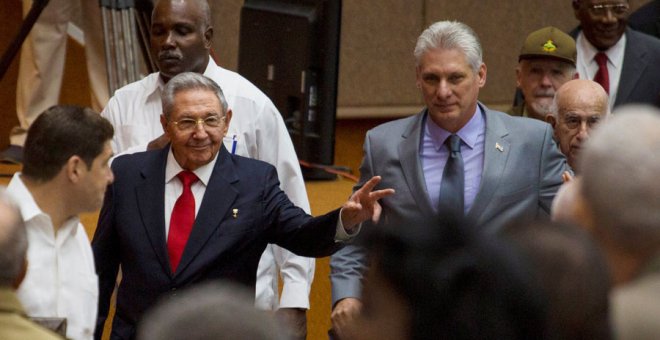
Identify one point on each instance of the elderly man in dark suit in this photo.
(454, 157)
(151, 225)
(625, 62)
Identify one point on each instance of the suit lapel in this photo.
(411, 164)
(496, 154)
(634, 64)
(151, 200)
(218, 198)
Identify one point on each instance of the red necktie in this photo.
(182, 220)
(602, 76)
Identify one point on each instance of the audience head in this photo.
(602, 23)
(546, 61)
(71, 143)
(195, 118)
(568, 205)
(438, 280)
(450, 72)
(572, 274)
(212, 311)
(620, 167)
(181, 33)
(13, 244)
(578, 106)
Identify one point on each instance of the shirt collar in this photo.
(203, 173)
(588, 51)
(468, 133)
(30, 210)
(156, 88)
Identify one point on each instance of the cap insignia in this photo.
(549, 46)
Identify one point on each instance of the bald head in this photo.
(578, 106)
(200, 5)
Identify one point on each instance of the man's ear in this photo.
(208, 37)
(550, 119)
(74, 168)
(163, 123)
(228, 116)
(21, 274)
(483, 71)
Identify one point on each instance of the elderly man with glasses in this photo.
(578, 106)
(625, 62)
(192, 212)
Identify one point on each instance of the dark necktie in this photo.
(602, 76)
(182, 220)
(451, 188)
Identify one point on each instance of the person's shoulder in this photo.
(137, 160)
(515, 123)
(642, 39)
(234, 84)
(145, 84)
(396, 126)
(243, 162)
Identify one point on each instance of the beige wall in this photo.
(376, 73)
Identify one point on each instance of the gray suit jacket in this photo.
(519, 181)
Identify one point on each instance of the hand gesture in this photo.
(363, 204)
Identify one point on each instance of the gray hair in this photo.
(13, 241)
(620, 166)
(451, 35)
(216, 310)
(190, 81)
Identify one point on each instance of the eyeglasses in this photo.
(600, 10)
(189, 124)
(573, 122)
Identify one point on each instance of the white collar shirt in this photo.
(61, 280)
(174, 187)
(587, 66)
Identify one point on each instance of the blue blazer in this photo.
(131, 232)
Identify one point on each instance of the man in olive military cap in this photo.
(546, 61)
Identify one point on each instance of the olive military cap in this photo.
(549, 42)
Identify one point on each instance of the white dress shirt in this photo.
(61, 280)
(587, 67)
(259, 132)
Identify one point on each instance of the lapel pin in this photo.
(234, 212)
(499, 147)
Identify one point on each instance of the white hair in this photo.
(451, 35)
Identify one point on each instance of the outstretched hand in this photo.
(363, 204)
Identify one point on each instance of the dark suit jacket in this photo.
(519, 181)
(646, 19)
(131, 232)
(641, 70)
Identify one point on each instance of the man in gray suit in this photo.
(506, 168)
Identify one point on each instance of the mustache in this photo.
(544, 93)
(169, 55)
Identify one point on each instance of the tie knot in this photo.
(601, 59)
(453, 143)
(187, 178)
